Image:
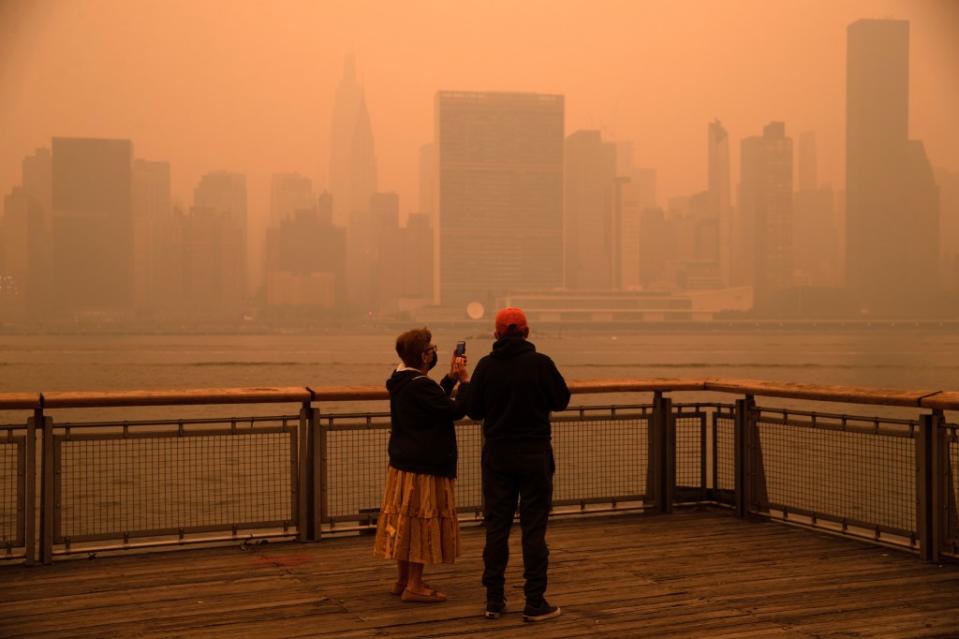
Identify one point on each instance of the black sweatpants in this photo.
(512, 472)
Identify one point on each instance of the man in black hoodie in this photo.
(513, 390)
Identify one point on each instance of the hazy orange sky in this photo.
(248, 86)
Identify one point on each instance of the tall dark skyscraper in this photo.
(815, 233)
(500, 159)
(93, 223)
(766, 210)
(352, 152)
(591, 227)
(889, 224)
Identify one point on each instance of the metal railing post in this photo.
(30, 488)
(930, 486)
(661, 469)
(304, 482)
(668, 430)
(756, 494)
(741, 457)
(320, 508)
(47, 501)
(653, 455)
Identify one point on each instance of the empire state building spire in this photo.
(352, 151)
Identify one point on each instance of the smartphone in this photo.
(460, 349)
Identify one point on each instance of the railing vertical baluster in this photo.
(661, 469)
(30, 488)
(319, 431)
(702, 456)
(304, 482)
(758, 497)
(923, 487)
(668, 430)
(715, 456)
(653, 455)
(930, 486)
(47, 504)
(741, 456)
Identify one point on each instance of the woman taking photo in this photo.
(417, 524)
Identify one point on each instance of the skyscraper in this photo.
(92, 223)
(428, 181)
(306, 261)
(220, 215)
(500, 159)
(815, 233)
(948, 182)
(719, 200)
(152, 209)
(212, 274)
(890, 224)
(589, 212)
(387, 255)
(289, 193)
(25, 233)
(766, 210)
(352, 152)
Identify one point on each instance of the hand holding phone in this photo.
(458, 365)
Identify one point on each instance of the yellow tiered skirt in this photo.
(417, 520)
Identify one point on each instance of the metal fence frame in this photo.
(56, 436)
(702, 453)
(16, 436)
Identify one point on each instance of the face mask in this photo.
(433, 361)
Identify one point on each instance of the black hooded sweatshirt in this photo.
(513, 390)
(422, 436)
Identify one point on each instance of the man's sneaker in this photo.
(542, 612)
(494, 609)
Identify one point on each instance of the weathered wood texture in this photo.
(848, 394)
(17, 401)
(89, 399)
(690, 574)
(942, 401)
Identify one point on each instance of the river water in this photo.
(247, 478)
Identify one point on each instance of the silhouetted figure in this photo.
(513, 391)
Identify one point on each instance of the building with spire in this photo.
(352, 151)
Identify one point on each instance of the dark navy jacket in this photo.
(422, 436)
(513, 390)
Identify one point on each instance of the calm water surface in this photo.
(887, 358)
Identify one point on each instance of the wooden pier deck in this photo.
(697, 573)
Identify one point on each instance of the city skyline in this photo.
(286, 121)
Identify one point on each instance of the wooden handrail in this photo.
(191, 396)
(932, 399)
(816, 392)
(20, 401)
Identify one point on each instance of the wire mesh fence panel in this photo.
(690, 427)
(145, 483)
(597, 457)
(357, 459)
(12, 459)
(857, 471)
(469, 483)
(600, 457)
(952, 489)
(724, 443)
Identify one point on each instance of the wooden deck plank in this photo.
(692, 573)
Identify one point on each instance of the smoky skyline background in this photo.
(614, 162)
(249, 87)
